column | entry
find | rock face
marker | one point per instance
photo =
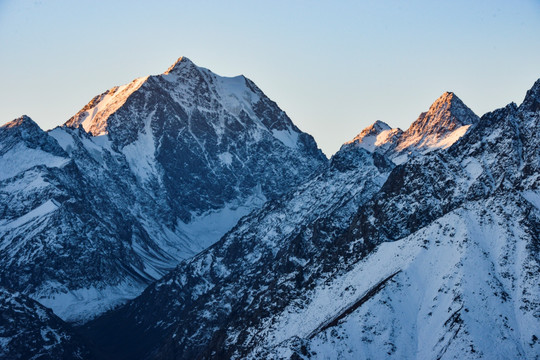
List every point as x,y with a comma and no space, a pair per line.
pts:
435,258
145,175
30,331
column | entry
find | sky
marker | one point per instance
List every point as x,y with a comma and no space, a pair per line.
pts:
334,66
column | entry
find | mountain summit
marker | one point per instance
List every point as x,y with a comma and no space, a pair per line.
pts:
379,137
447,119
182,62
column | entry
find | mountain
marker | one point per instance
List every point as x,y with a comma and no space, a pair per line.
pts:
437,257
30,331
144,176
447,119
194,134
378,137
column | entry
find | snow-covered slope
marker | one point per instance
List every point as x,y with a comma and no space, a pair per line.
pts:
440,261
30,331
448,291
171,163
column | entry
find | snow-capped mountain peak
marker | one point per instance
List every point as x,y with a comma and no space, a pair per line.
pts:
21,121
378,136
447,119
24,132
151,172
377,127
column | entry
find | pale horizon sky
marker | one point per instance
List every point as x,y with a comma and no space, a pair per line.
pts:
334,67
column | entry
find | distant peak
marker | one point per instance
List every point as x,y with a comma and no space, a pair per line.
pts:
532,99
377,135
449,104
24,121
374,129
446,115
447,97
380,125
182,63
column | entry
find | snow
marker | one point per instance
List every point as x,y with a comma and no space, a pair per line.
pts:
42,210
225,158
398,160
371,142
473,167
83,304
21,158
31,180
234,94
427,143
207,228
94,120
288,137
140,154
383,137
64,139
447,140
457,277
533,197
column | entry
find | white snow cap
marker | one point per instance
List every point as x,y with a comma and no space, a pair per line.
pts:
374,136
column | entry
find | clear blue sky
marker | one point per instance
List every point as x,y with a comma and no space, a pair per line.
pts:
333,66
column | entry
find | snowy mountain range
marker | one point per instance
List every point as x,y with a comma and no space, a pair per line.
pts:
248,243
367,260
